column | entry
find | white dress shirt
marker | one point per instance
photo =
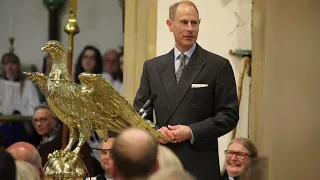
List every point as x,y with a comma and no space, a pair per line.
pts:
177,63
177,53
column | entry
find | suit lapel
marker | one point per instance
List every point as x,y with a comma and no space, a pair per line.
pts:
101,177
192,70
167,75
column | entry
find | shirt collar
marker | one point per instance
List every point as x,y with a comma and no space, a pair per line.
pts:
108,178
51,136
187,53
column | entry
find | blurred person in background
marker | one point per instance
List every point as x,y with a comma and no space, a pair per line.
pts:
7,166
18,96
26,171
24,151
90,61
110,61
105,158
16,92
134,155
113,66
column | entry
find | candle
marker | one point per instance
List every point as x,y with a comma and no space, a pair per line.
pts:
11,25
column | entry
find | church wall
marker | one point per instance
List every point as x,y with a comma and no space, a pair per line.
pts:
100,25
285,86
29,22
218,35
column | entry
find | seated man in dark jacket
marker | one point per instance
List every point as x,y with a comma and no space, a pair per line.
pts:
49,127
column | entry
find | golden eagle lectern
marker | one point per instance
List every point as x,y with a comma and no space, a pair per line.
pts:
95,106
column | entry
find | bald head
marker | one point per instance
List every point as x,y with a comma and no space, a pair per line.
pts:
134,142
135,153
25,152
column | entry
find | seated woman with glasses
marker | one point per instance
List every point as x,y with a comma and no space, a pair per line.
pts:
239,155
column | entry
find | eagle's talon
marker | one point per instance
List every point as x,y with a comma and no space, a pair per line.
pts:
71,157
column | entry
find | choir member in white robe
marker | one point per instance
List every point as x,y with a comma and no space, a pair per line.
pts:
17,94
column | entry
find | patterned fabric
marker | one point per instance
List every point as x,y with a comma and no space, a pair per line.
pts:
179,72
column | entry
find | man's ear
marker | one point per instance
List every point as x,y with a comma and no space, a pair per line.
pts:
113,169
55,121
170,24
41,173
156,167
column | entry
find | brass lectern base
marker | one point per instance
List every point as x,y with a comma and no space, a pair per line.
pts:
65,166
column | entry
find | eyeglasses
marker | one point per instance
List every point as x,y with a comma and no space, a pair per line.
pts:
239,155
101,149
41,120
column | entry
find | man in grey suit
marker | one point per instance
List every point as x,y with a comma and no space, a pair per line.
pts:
196,95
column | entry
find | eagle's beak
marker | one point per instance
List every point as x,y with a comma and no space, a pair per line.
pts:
46,48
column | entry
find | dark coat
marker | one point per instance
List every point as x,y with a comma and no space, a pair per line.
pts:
210,111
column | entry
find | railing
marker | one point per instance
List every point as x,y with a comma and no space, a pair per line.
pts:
15,118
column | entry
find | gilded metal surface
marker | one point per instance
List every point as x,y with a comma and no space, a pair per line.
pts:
72,27
95,107
64,167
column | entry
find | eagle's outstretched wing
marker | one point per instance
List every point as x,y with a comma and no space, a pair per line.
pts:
38,79
114,104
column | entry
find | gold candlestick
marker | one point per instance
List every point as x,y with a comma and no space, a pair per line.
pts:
71,29
11,42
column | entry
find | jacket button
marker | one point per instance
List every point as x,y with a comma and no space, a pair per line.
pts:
193,106
160,106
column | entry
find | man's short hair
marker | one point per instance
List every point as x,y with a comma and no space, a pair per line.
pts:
171,173
139,166
44,106
26,171
173,8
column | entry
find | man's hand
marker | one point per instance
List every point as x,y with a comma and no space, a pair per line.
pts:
167,133
180,132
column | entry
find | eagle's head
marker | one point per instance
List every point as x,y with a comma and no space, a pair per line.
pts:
53,47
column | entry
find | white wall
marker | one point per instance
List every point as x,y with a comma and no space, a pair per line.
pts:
217,21
286,46
100,23
29,28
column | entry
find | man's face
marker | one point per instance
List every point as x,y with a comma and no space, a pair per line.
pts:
105,156
185,26
110,62
43,121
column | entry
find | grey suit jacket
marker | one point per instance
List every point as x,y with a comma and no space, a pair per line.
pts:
210,111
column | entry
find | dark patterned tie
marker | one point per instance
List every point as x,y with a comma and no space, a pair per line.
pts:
182,58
